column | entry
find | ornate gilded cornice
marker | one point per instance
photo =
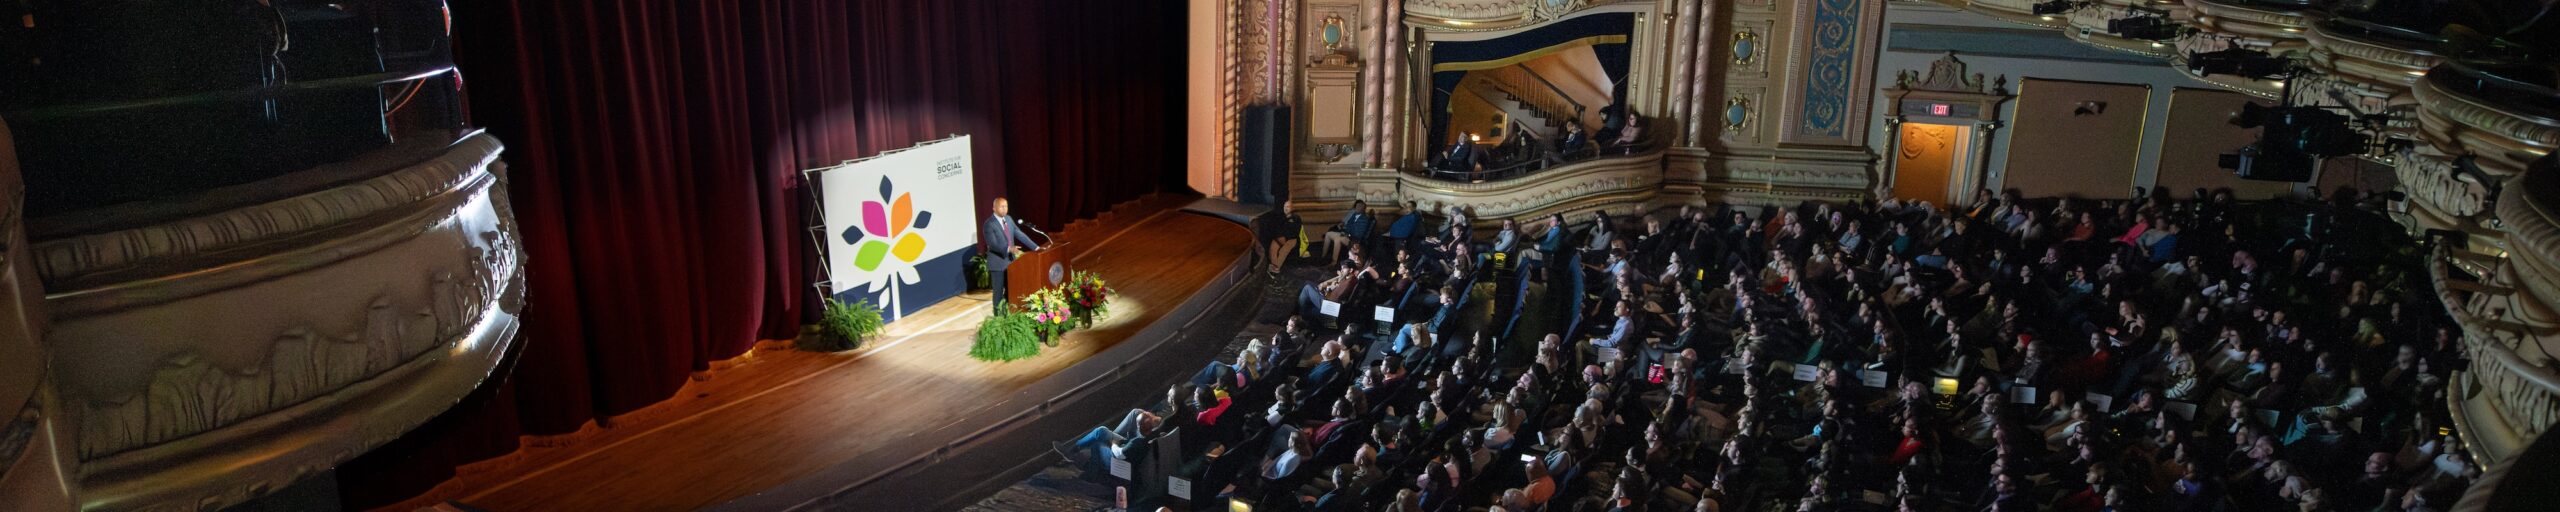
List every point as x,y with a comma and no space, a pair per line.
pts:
2249,18
1577,187
2089,25
2340,48
2013,11
71,263
1493,15
206,373
2503,137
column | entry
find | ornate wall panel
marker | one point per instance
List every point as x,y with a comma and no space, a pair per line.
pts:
1833,73
1740,117
1749,46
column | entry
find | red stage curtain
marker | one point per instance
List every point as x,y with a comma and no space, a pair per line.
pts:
655,146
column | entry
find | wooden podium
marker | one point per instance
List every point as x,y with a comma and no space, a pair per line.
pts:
1036,270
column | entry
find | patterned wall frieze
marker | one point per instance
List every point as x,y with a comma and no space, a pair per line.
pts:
65,262
1609,181
1774,172
1470,9
1494,15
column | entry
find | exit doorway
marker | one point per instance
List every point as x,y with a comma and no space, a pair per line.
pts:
1926,160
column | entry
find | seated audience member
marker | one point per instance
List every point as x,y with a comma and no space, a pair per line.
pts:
1462,157
1353,230
1280,233
1337,289
1574,143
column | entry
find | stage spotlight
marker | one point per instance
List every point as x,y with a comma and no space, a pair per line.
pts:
2239,61
2253,115
2292,142
2056,7
2263,163
2311,130
2145,28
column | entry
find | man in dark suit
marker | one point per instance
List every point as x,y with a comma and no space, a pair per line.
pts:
1004,241
1461,156
1574,141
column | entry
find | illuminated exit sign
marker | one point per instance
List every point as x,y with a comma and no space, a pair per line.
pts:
1938,109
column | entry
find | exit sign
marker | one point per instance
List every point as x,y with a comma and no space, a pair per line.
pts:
1938,109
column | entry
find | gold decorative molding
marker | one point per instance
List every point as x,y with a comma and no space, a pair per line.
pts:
2013,11
1580,186
2461,124
2433,182
70,263
1494,15
203,379
2089,25
2243,19
2393,68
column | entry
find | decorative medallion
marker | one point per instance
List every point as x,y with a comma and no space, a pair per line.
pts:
1552,9
1333,32
1737,111
1746,46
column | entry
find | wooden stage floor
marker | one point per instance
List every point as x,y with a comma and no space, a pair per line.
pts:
776,414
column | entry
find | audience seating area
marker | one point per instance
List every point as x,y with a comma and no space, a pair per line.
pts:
2014,354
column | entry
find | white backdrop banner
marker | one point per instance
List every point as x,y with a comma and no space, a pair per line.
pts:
901,226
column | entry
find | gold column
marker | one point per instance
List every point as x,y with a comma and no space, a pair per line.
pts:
1372,81
1394,110
1684,28
1703,106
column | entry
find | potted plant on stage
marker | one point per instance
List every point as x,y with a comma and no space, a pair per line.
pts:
842,326
1089,297
1006,336
978,272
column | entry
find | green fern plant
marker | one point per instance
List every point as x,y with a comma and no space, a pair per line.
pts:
978,272
844,326
1005,337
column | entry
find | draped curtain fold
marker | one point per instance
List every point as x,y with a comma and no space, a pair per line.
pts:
655,150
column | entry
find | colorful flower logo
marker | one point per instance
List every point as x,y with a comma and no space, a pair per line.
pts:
887,241
893,228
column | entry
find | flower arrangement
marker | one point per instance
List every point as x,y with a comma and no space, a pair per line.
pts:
1049,312
1088,296
1042,317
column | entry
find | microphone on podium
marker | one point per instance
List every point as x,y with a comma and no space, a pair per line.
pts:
1026,226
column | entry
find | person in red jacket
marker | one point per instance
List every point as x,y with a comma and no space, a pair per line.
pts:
1911,444
1209,415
